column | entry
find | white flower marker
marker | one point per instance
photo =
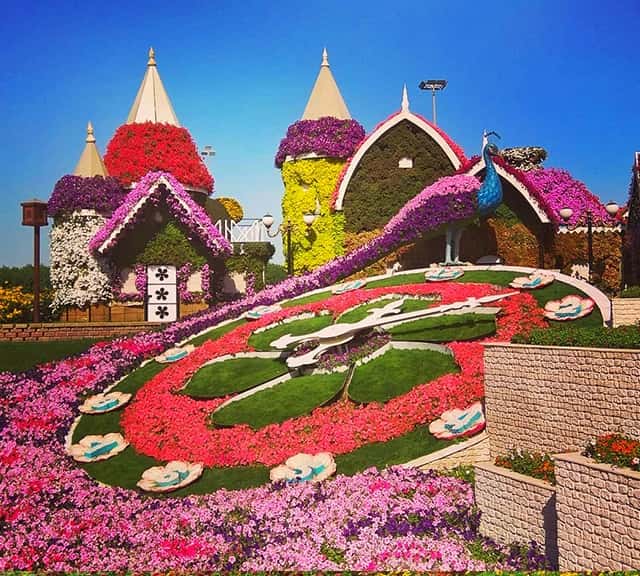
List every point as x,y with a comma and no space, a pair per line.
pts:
305,468
175,354
93,448
101,403
568,308
172,476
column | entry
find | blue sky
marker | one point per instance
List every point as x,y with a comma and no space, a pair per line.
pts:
559,74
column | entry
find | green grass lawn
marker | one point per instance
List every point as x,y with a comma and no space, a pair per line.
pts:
396,372
289,399
397,280
216,332
262,340
232,376
448,328
307,299
20,356
362,311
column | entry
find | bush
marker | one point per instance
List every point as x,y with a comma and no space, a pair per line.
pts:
536,464
592,337
631,292
23,276
615,449
274,273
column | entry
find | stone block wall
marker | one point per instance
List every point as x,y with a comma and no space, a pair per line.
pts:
598,515
554,399
466,453
64,331
626,311
517,508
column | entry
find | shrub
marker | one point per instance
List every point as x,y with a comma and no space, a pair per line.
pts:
536,464
631,292
23,276
615,449
593,337
15,304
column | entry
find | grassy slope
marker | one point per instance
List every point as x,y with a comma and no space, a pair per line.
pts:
20,356
396,372
262,340
232,376
361,312
459,327
289,399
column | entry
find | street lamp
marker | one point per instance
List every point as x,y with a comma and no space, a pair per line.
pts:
566,213
285,229
34,213
207,151
434,86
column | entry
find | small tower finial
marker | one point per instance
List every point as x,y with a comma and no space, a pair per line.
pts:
152,57
90,136
405,99
325,57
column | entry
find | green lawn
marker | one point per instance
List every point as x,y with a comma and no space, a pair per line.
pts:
307,299
497,277
232,376
448,328
217,332
397,280
362,311
289,399
262,340
396,372
20,356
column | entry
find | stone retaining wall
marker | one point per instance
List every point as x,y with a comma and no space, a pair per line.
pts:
598,515
65,331
626,311
517,508
554,399
471,451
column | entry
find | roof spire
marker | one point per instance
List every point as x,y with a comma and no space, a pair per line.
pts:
405,99
325,99
90,163
152,103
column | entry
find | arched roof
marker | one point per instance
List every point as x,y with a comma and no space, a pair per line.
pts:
453,152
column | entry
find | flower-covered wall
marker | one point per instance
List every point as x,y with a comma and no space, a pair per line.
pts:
308,182
380,185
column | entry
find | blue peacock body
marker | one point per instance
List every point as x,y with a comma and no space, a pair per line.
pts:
490,193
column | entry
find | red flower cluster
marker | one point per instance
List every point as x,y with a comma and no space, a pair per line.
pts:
137,149
615,449
170,426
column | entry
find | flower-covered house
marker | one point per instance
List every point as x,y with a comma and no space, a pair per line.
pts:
133,236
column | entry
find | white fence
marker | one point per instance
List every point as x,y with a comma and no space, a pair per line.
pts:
246,230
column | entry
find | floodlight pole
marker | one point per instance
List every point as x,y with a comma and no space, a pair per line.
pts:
434,86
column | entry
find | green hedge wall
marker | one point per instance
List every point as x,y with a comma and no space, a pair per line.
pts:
378,188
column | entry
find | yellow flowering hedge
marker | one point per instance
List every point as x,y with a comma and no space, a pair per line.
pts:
15,304
233,208
305,181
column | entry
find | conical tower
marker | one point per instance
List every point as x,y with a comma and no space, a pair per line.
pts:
311,158
90,163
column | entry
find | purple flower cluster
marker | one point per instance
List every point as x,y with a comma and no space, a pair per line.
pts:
180,204
73,193
326,136
360,347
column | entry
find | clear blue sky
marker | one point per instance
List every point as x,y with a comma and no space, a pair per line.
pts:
559,74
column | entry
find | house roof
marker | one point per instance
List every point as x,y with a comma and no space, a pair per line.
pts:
90,163
325,99
178,202
152,102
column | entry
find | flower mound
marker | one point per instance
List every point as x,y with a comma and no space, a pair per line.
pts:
72,193
136,149
325,137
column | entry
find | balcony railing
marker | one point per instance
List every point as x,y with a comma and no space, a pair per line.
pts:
246,230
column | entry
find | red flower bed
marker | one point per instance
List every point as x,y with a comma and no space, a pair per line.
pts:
137,149
169,426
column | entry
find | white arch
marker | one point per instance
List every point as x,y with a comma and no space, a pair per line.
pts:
519,186
404,114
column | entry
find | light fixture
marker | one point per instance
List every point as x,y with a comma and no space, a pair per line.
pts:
207,151
434,86
267,221
612,208
566,213
308,218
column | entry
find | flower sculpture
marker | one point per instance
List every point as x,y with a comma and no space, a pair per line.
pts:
94,447
533,281
175,354
442,274
172,476
305,468
260,311
570,307
101,403
348,286
454,423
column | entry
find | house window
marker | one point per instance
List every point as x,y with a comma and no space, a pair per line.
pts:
405,162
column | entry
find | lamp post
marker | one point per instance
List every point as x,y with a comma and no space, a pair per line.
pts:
34,213
285,229
434,86
566,213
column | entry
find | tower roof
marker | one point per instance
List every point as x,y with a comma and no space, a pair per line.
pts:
325,99
90,163
152,103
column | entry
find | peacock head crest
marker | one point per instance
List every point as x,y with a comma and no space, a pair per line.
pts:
487,146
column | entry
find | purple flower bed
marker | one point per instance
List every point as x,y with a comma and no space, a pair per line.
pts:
54,517
326,137
73,193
